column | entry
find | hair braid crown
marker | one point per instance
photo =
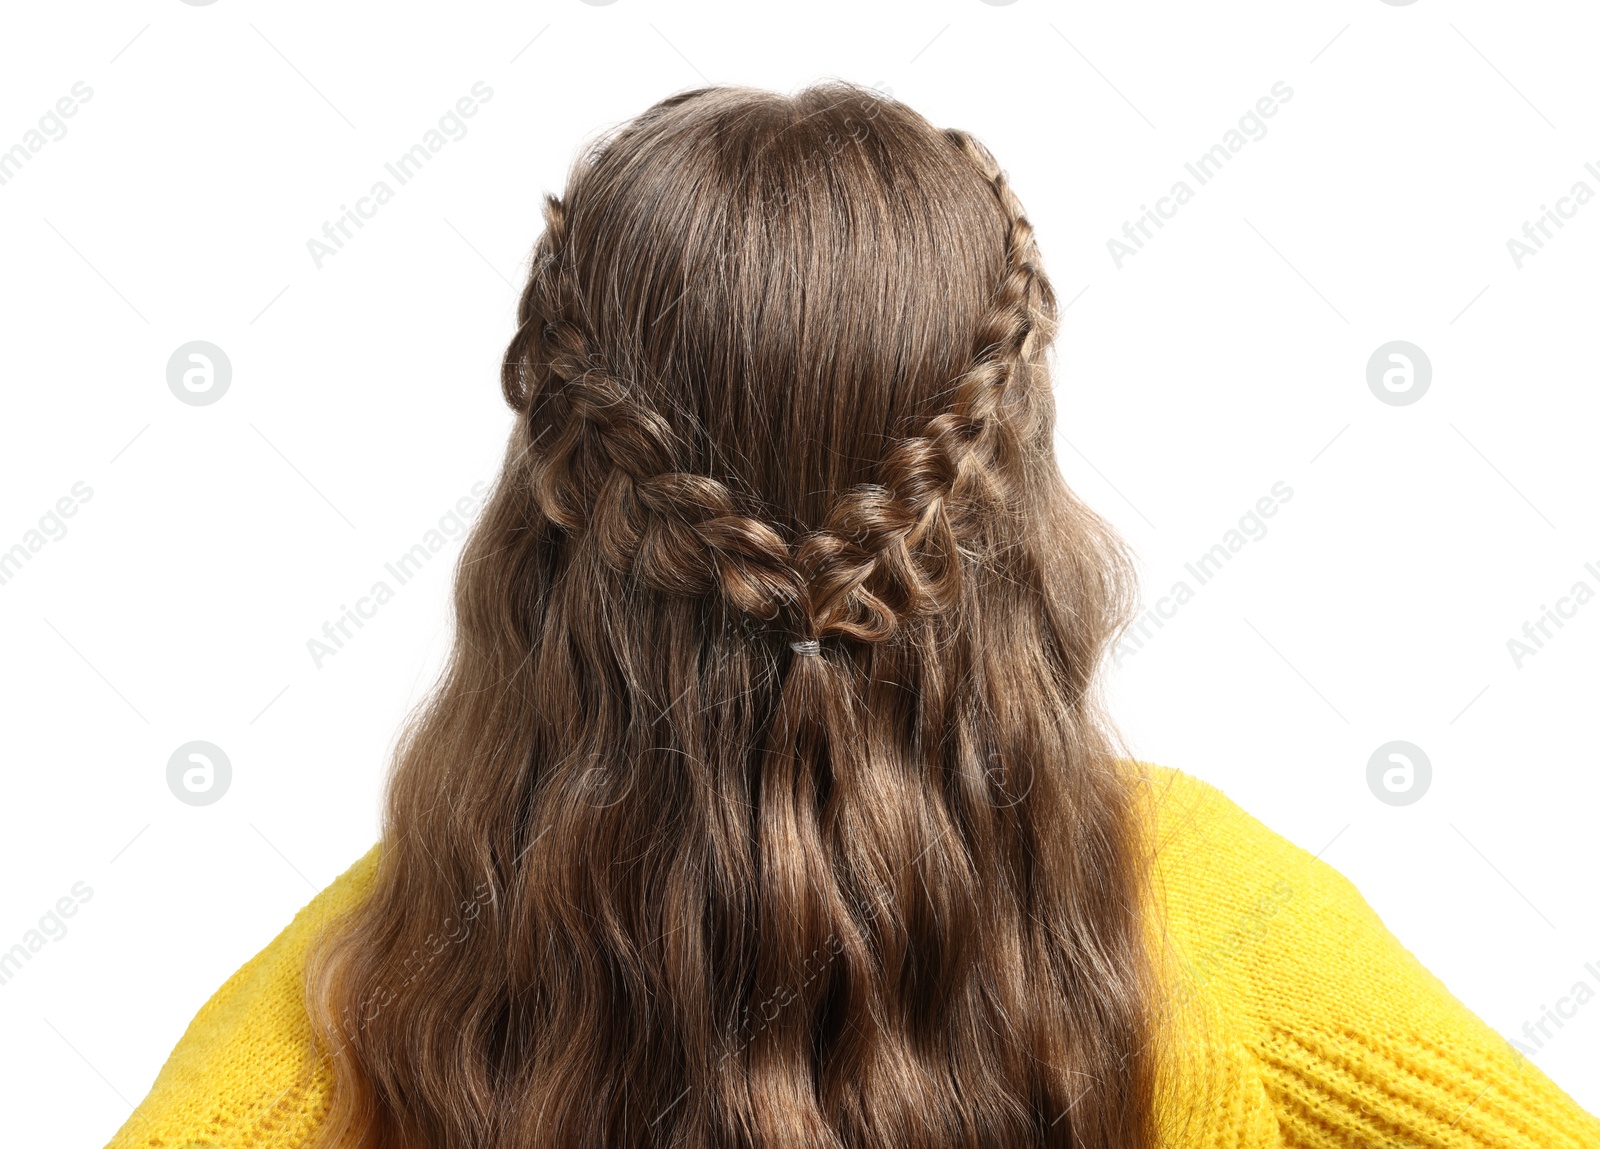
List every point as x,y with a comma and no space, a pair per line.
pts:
884,552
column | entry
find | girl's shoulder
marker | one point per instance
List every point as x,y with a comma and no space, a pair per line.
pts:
242,1076
1353,1038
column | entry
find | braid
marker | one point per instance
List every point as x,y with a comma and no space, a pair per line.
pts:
608,463
1022,318
604,462
890,551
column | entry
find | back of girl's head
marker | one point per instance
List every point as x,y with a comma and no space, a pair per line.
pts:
770,729
820,304
788,281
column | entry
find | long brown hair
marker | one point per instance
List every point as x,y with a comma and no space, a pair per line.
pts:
767,787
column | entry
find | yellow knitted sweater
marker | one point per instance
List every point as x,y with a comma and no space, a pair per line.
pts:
1295,1018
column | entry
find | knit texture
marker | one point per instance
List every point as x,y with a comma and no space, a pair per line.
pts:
1294,1018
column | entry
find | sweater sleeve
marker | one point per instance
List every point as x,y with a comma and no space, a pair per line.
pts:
242,1076
1357,1043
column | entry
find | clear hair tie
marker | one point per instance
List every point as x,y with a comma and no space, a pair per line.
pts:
806,646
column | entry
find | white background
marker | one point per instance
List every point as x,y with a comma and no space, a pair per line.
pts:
1228,355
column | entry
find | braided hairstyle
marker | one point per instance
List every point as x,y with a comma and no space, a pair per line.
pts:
771,723
885,551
